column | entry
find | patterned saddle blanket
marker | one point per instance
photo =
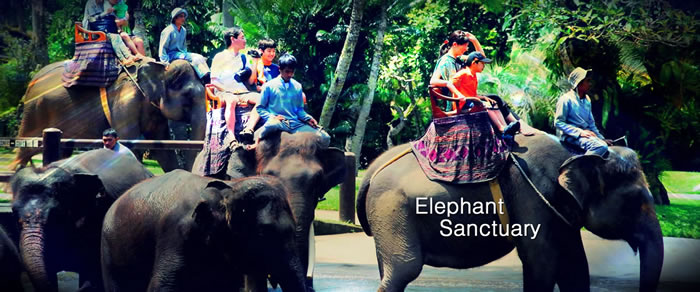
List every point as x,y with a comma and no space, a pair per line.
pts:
461,149
94,64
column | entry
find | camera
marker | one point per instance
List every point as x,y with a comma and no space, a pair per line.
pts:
254,54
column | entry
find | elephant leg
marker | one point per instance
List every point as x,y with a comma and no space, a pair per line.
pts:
539,258
167,270
576,276
166,158
398,244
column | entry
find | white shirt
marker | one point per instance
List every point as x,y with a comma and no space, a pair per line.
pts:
119,148
223,69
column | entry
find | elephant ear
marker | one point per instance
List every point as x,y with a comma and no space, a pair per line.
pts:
91,194
206,212
580,176
334,169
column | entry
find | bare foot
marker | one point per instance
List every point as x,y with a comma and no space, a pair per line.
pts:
138,56
250,147
526,130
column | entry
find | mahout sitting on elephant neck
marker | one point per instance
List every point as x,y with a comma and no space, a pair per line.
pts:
177,94
609,197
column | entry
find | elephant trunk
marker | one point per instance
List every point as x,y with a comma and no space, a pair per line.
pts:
290,273
303,212
32,249
651,251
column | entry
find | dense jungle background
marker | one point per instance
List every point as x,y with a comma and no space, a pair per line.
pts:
366,64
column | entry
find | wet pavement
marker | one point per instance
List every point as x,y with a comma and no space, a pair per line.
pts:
346,262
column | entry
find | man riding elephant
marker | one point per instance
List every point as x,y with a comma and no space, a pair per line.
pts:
173,45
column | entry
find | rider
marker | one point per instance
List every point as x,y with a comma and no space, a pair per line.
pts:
282,107
173,45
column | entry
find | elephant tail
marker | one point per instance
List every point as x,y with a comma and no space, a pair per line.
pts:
361,204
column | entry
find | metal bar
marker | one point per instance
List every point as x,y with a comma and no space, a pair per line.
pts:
97,143
5,176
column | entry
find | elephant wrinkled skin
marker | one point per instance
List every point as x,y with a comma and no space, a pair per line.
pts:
172,94
183,232
60,209
610,197
306,169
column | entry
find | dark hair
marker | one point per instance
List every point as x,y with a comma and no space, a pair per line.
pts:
288,61
231,32
266,44
110,132
458,36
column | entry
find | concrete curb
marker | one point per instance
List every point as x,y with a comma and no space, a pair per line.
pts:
328,227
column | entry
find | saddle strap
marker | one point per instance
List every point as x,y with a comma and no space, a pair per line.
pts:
498,196
402,154
105,105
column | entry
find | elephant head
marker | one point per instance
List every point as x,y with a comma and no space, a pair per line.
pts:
51,204
306,169
614,202
250,221
185,100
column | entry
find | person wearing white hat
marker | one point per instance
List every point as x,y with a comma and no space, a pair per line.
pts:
574,119
173,46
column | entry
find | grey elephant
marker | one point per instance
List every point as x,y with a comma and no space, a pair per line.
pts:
306,169
60,209
610,197
174,94
183,232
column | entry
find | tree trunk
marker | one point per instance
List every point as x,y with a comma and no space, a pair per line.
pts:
341,70
226,13
41,53
356,146
140,29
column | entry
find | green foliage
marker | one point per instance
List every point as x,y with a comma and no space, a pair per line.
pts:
680,219
60,29
15,70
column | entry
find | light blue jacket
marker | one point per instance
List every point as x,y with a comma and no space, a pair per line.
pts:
574,115
276,99
172,42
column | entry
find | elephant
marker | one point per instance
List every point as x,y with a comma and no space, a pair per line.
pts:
176,94
10,264
60,209
307,169
184,232
608,196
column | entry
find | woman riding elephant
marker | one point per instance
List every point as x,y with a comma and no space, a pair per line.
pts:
60,209
548,187
136,110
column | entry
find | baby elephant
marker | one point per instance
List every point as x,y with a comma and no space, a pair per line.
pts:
183,232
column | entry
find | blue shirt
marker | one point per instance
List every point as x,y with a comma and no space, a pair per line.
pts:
271,72
285,99
574,115
172,42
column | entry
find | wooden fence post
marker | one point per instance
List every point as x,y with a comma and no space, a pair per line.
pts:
347,191
51,145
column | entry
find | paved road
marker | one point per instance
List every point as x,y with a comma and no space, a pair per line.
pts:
346,262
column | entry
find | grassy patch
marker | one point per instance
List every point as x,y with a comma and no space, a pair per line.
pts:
680,219
153,166
681,182
332,200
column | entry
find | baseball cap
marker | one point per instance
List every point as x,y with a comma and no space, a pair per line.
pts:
477,56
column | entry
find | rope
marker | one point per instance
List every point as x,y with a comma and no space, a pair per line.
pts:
408,150
137,86
512,156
